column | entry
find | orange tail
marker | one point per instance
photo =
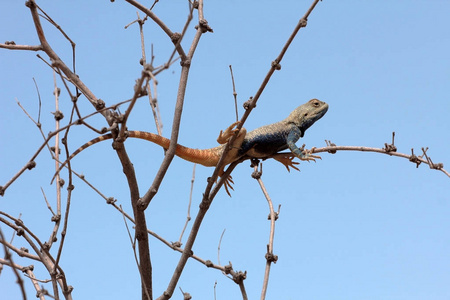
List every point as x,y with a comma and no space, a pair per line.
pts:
206,157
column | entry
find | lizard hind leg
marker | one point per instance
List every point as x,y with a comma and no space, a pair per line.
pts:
228,183
235,147
287,160
233,153
224,136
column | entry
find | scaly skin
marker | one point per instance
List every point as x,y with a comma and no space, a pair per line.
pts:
206,157
263,142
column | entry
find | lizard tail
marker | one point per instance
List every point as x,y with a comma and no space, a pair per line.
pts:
205,157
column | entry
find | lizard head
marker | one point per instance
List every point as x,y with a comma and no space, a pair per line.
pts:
305,115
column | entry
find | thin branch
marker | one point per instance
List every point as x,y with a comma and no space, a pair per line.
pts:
270,257
145,200
141,223
413,158
31,164
9,258
234,93
138,91
56,61
56,218
170,34
12,46
188,217
133,246
218,246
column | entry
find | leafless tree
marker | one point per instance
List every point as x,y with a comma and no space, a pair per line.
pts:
47,251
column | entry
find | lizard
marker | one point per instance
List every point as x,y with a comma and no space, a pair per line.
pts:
261,143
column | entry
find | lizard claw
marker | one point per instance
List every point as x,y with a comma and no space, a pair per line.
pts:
287,160
307,155
228,184
224,136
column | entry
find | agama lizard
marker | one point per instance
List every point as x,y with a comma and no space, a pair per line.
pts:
263,142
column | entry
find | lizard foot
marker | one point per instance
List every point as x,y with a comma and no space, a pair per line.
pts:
227,134
228,184
287,160
307,155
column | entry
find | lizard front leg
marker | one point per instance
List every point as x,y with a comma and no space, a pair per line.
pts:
293,136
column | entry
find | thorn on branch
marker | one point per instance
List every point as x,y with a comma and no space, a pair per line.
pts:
100,104
209,264
254,164
185,62
139,89
29,4
28,268
330,144
53,149
56,218
58,115
176,245
175,38
276,215
413,158
276,65
256,175
239,277
204,27
149,67
111,200
186,296
10,43
58,92
270,257
303,22
228,268
391,147
249,104
31,165
432,165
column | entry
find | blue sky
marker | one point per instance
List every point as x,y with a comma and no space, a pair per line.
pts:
352,226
